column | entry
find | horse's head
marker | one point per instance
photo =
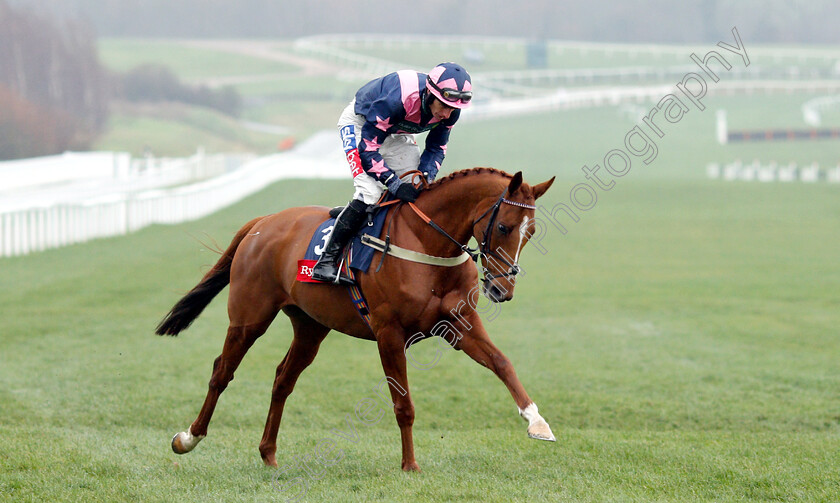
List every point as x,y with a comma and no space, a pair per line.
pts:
503,226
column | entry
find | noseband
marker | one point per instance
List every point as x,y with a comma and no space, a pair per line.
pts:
485,249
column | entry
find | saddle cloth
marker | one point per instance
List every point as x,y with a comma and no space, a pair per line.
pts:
358,255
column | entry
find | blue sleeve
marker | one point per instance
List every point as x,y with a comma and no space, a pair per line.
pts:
435,150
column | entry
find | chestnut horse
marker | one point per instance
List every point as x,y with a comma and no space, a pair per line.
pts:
406,297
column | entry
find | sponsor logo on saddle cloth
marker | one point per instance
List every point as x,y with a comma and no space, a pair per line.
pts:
358,254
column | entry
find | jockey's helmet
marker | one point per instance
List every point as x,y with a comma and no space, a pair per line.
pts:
451,84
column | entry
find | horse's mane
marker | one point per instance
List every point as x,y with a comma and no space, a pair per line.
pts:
469,172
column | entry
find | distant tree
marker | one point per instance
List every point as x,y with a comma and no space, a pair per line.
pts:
151,82
29,130
50,70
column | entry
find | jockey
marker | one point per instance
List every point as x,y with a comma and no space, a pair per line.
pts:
378,130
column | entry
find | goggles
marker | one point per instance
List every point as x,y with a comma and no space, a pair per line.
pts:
451,95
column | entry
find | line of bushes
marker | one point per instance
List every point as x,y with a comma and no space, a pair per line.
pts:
158,83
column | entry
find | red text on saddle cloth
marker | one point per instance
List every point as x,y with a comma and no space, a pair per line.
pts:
305,271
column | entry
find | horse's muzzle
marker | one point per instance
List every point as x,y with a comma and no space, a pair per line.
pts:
496,294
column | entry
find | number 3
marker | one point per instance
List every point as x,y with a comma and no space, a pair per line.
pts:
327,232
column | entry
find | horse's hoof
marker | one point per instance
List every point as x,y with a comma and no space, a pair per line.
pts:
541,431
184,442
270,460
411,467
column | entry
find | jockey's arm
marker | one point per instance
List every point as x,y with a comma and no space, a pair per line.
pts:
435,151
372,161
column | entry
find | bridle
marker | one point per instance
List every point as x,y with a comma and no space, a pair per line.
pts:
484,250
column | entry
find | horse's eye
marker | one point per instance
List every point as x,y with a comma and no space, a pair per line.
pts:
504,230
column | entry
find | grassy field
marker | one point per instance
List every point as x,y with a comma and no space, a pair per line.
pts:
681,339
189,63
682,342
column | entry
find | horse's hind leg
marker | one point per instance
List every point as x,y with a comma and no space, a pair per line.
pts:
308,335
239,340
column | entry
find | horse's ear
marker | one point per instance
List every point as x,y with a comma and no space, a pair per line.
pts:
540,188
515,182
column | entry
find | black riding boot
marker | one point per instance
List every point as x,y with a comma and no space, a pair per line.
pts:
346,226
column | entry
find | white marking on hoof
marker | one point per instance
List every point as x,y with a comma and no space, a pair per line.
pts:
184,442
537,426
541,431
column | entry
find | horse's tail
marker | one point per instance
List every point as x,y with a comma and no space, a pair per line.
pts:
193,303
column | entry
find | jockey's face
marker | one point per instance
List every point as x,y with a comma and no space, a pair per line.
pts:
439,110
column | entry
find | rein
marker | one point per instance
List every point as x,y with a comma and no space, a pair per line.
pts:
472,252
484,251
387,248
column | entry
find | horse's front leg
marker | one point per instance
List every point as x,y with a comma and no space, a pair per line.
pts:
391,342
476,343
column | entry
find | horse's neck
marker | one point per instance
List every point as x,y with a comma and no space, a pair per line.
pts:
453,206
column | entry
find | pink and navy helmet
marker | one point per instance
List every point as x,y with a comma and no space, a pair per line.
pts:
451,84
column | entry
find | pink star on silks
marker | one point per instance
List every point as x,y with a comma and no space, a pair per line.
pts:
371,144
378,167
383,124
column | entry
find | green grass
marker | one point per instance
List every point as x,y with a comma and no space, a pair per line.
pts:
174,130
188,63
681,339
303,87
560,144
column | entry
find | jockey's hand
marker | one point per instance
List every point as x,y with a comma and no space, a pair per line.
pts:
407,192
